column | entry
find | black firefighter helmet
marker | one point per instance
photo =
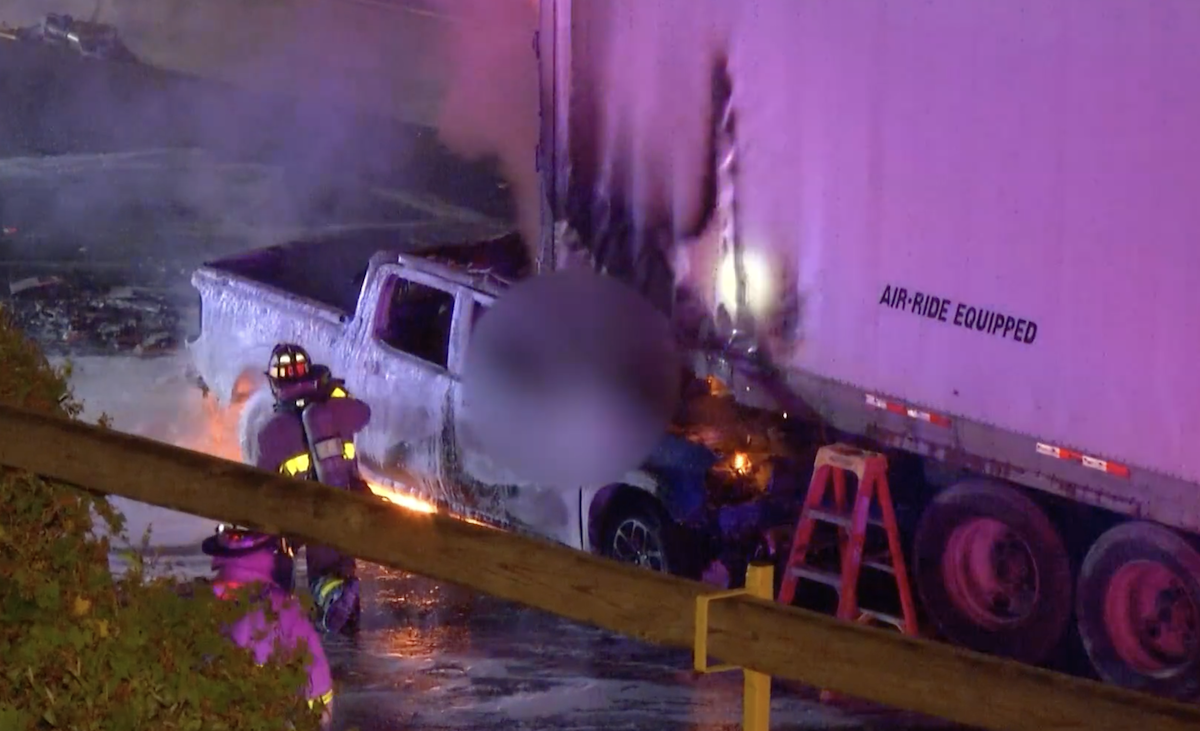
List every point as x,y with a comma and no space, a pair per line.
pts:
290,364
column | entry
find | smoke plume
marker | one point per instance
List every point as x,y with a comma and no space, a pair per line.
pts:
309,127
491,103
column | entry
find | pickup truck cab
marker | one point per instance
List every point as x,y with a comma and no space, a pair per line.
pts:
397,331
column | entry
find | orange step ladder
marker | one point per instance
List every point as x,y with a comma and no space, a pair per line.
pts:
830,468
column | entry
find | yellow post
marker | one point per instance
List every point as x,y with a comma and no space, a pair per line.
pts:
756,696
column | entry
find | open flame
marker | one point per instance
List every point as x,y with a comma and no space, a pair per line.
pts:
410,503
414,504
215,435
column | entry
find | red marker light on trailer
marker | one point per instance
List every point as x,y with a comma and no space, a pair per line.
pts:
896,407
1115,469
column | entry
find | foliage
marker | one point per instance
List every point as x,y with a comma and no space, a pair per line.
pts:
81,649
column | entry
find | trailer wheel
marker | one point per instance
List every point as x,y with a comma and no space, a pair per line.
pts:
992,572
1139,610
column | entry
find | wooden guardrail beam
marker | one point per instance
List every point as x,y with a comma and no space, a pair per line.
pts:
872,664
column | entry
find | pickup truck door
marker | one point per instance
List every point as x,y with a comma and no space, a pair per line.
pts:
404,374
552,512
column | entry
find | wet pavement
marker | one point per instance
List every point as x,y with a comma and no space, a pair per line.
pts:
113,209
433,657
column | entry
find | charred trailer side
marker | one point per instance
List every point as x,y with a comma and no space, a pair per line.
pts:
981,217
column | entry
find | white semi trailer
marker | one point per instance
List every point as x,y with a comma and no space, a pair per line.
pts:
967,231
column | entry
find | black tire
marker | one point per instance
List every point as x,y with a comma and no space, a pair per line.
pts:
1024,620
632,512
1104,627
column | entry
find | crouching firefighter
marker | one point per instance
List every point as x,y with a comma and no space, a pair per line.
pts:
311,437
243,558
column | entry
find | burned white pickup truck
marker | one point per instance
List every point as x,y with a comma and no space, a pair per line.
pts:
394,319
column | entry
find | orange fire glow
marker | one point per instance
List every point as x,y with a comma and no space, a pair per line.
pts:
410,503
415,504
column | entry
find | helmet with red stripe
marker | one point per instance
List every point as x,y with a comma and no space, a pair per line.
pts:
289,364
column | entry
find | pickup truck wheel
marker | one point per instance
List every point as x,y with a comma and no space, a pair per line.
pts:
638,532
992,572
1139,610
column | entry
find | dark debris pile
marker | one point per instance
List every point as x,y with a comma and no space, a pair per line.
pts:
86,38
79,313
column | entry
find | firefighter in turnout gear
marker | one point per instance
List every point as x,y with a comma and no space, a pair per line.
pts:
275,619
311,437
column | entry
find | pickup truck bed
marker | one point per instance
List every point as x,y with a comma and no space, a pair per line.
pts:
329,269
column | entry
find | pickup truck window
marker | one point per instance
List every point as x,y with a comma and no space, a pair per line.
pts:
416,319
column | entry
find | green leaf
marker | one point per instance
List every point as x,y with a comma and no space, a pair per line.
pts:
48,595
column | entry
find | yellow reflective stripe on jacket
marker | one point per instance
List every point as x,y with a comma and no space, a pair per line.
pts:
298,465
302,463
325,588
324,700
